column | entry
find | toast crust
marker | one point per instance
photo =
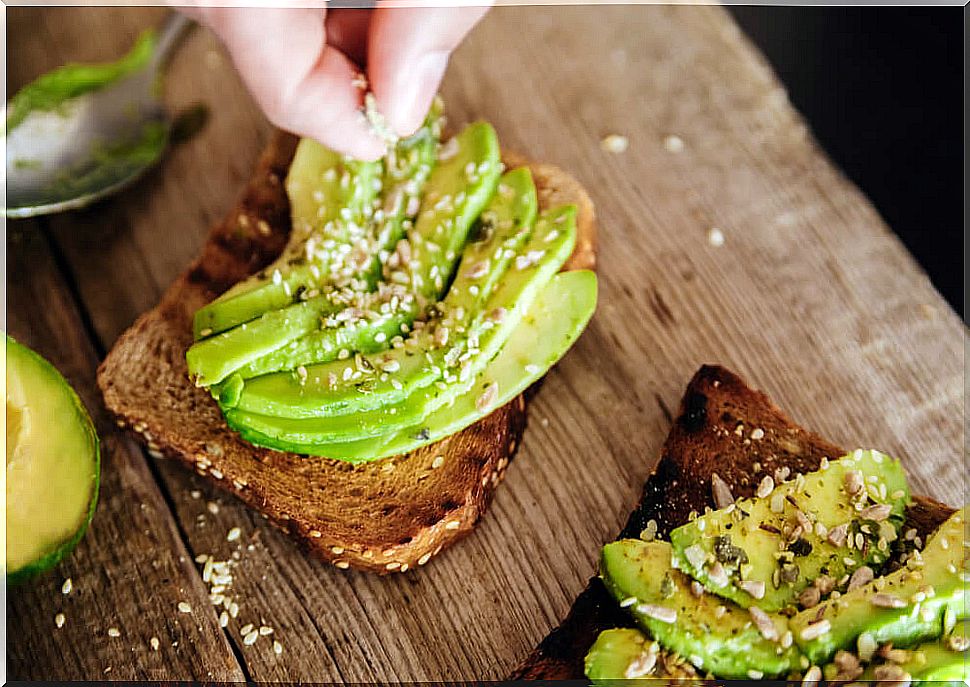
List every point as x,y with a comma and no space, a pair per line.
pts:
387,516
714,432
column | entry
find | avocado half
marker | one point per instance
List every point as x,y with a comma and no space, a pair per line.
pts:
53,465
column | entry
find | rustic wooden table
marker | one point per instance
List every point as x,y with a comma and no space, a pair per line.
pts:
810,296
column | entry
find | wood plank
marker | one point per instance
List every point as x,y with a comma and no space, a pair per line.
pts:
810,297
131,570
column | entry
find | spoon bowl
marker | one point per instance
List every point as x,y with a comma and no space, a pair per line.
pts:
94,144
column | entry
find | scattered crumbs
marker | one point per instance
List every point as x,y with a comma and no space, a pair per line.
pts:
59,620
715,237
614,143
114,632
673,144
67,586
234,534
184,607
154,643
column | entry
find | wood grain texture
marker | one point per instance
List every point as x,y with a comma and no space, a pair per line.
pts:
811,298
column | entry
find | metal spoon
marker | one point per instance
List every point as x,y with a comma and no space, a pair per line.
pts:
68,158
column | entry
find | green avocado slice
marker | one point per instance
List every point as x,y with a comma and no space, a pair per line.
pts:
766,551
553,323
53,465
619,655
330,199
371,382
943,660
714,635
366,320
503,227
907,606
512,298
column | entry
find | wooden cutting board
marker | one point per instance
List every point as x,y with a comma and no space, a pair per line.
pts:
809,296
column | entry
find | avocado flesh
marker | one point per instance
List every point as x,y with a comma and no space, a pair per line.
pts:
372,313
553,323
944,568
937,661
317,193
348,386
618,655
53,465
505,225
722,642
516,293
749,535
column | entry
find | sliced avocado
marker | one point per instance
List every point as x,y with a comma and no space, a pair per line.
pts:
371,382
945,659
360,321
619,655
904,607
513,298
329,195
503,228
765,551
716,636
53,465
550,327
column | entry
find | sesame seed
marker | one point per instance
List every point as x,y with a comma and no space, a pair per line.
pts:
393,565
246,629
223,619
184,607
251,638
452,524
265,630
816,629
614,143
67,586
673,144
277,648
337,550
212,507
757,434
59,620
343,565
195,494
114,632
154,643
715,237
234,534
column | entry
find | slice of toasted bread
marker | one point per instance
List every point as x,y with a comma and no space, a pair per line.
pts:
386,516
723,427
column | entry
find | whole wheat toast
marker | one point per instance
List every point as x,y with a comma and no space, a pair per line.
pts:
711,434
386,516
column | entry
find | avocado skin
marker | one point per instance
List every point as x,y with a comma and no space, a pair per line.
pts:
854,613
725,644
740,532
55,556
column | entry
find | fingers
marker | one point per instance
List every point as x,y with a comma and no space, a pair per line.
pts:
407,53
303,85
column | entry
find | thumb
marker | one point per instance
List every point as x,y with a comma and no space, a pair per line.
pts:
408,51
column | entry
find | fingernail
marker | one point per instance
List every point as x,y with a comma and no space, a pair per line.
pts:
407,104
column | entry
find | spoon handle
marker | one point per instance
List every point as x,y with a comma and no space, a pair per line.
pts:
172,30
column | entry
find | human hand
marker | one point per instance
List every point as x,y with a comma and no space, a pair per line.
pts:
304,66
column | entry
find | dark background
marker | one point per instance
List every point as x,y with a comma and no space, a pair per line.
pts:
882,89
